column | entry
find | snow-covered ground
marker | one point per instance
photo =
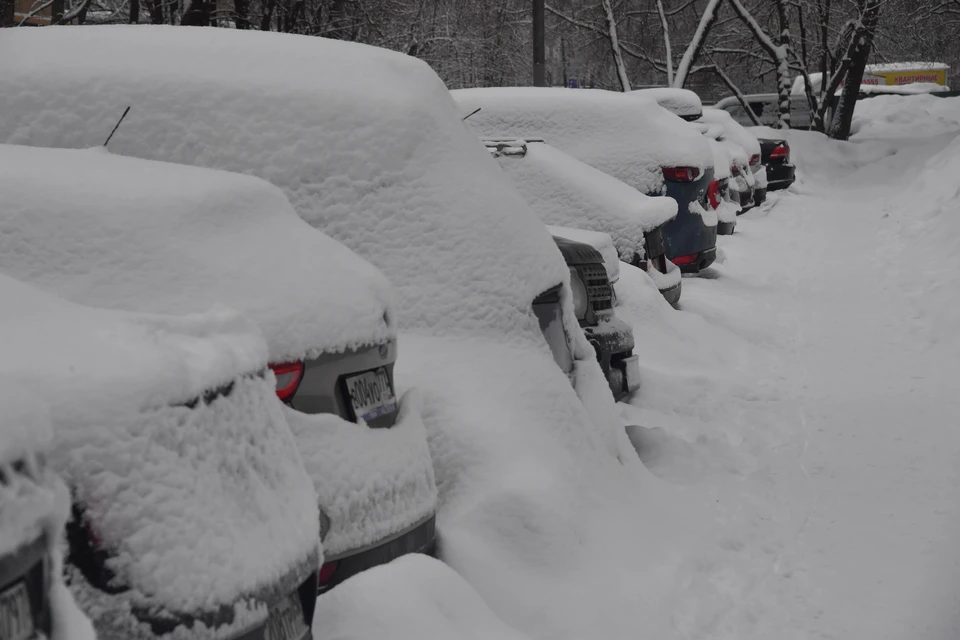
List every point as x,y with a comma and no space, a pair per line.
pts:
809,386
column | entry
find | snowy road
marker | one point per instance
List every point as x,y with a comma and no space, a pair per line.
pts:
836,448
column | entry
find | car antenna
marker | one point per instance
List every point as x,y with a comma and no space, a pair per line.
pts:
116,126
470,114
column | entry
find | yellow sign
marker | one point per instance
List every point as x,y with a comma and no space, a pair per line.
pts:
900,73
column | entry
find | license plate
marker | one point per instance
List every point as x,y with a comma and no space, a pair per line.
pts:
286,620
16,620
632,371
371,394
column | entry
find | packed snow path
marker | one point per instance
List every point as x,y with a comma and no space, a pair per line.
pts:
843,471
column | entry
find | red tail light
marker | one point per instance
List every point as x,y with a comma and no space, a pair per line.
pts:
288,378
681,174
326,572
755,160
681,260
713,194
780,153
735,169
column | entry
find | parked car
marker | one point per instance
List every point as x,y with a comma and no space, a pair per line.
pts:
564,191
766,108
631,138
192,512
402,182
775,156
717,125
593,301
747,154
683,103
725,198
34,505
158,237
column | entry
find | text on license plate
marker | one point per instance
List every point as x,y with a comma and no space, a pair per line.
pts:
371,394
16,621
286,620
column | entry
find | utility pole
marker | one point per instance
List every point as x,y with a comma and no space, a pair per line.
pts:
539,46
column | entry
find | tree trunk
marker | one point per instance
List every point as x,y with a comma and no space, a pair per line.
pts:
134,11
667,50
615,46
862,46
779,53
707,19
241,8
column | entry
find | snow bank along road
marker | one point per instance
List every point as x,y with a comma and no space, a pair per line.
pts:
819,404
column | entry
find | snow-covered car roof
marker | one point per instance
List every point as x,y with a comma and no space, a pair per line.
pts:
159,237
366,143
681,102
630,138
201,504
567,192
733,131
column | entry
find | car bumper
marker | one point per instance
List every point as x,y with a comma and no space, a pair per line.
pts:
726,228
672,294
703,260
780,176
419,538
613,341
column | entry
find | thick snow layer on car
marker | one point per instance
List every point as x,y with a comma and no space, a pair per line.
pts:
159,237
727,211
760,175
567,192
721,159
366,143
200,502
733,131
602,242
372,482
682,102
412,597
630,138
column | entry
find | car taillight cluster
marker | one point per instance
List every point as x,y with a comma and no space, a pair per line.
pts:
683,260
780,152
735,169
755,160
681,174
713,194
288,376
325,575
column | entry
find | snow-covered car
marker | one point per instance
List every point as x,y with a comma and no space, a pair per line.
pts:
780,173
747,156
736,183
765,107
34,505
566,192
127,233
193,515
352,162
724,194
534,474
593,304
629,137
683,103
